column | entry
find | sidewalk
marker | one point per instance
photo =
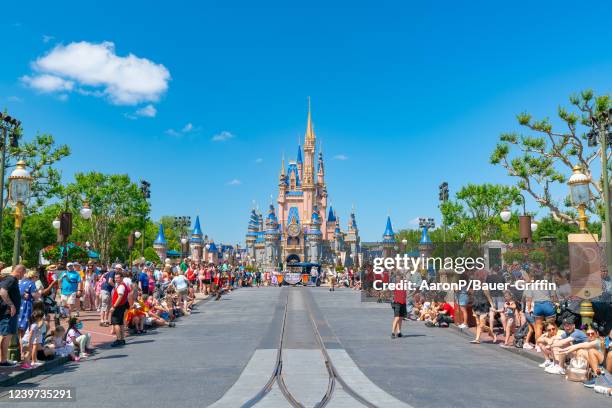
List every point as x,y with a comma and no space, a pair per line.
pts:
101,338
470,333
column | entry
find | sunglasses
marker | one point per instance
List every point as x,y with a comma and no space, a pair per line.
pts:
590,333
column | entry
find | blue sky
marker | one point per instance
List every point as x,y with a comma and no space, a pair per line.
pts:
410,94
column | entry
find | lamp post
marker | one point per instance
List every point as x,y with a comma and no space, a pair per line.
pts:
63,224
525,222
20,185
7,123
580,195
145,189
183,245
180,224
404,245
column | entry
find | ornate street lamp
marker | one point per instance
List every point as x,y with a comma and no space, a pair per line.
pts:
56,223
505,214
86,211
580,194
534,226
20,185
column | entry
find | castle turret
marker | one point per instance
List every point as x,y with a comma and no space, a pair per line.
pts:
353,240
196,241
314,237
160,245
272,238
251,236
300,162
388,239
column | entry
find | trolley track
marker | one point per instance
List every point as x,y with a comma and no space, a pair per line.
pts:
277,376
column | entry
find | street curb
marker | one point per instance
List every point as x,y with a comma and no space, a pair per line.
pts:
33,372
20,376
521,352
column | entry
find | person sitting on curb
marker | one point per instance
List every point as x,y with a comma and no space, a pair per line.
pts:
75,338
569,337
545,342
592,350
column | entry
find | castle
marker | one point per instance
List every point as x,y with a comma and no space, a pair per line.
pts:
300,234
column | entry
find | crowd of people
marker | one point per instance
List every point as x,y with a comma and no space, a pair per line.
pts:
41,309
540,320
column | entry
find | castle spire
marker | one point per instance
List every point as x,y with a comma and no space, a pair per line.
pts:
283,165
310,136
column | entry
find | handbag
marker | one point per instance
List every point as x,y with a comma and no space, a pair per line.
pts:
577,370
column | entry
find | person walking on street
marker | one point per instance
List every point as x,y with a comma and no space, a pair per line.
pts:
119,305
399,311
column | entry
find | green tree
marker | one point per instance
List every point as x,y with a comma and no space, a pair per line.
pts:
545,157
474,214
117,207
41,154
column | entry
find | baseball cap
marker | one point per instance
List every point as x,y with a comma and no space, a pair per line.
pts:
69,264
569,320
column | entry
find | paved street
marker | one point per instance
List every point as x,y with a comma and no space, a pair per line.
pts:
226,350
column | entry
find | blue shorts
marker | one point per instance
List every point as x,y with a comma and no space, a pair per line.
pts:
544,309
8,325
462,299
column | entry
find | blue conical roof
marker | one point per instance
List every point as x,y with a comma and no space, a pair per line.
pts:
389,235
161,237
331,216
299,154
197,230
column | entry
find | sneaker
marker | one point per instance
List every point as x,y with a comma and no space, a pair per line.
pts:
538,349
117,343
7,364
462,326
555,369
590,383
528,346
600,389
399,335
393,335
26,366
545,364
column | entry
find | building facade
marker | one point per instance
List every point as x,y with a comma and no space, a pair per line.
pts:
303,228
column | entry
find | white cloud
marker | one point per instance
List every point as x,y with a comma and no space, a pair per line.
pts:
148,111
414,221
188,128
172,132
223,136
48,83
234,182
259,160
47,38
98,70
340,157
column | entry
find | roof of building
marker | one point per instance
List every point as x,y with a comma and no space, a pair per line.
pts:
331,215
196,234
389,235
161,237
299,154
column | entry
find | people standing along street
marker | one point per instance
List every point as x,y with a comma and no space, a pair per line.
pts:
71,288
89,289
29,294
482,304
108,284
9,306
119,305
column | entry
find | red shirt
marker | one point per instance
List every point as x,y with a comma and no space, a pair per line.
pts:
123,297
399,296
450,311
191,275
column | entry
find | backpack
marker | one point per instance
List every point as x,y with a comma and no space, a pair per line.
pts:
519,336
577,370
